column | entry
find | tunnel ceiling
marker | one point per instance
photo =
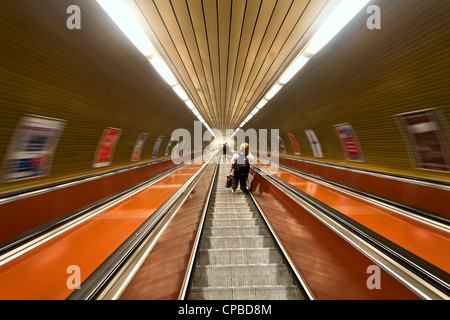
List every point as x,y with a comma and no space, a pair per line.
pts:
227,54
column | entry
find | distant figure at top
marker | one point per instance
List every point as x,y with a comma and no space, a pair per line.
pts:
226,150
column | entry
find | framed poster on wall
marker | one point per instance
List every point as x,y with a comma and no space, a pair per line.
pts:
166,152
32,147
138,146
294,144
283,147
315,144
349,142
106,147
426,139
156,147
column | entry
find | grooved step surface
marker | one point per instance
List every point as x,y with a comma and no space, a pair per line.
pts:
242,275
227,256
243,231
237,256
247,293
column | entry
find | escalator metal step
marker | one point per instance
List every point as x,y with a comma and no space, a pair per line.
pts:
227,210
245,256
237,242
242,275
244,293
242,231
233,215
249,222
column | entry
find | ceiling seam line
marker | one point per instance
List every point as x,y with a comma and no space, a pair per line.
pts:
230,111
272,44
210,61
246,56
212,114
292,50
228,63
257,53
189,53
162,46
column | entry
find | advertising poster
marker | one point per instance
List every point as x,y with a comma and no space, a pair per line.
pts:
349,142
294,144
138,146
106,146
166,152
426,139
283,147
156,147
31,148
315,144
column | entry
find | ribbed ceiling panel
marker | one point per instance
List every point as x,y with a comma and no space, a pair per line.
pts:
228,53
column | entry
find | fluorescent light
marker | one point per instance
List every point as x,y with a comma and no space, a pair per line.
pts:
163,70
190,104
255,111
261,104
343,14
273,91
248,117
293,69
180,92
124,19
195,111
201,119
212,133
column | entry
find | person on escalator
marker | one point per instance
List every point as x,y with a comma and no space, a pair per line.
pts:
240,167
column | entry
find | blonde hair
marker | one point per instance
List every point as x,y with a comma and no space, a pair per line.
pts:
244,148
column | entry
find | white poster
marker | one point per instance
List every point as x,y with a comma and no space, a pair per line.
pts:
32,146
138,146
166,153
156,147
315,144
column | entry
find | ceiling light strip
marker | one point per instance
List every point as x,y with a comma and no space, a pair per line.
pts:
123,17
340,17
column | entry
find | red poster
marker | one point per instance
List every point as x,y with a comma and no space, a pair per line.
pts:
105,149
294,144
349,142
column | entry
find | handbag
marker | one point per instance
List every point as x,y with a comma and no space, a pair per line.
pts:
229,180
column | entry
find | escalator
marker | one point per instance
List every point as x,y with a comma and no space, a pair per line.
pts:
237,257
